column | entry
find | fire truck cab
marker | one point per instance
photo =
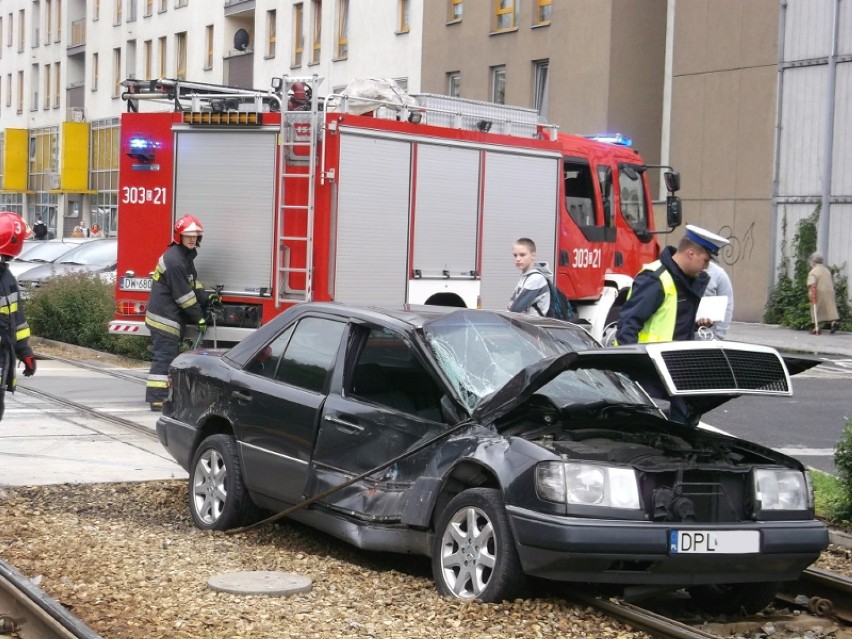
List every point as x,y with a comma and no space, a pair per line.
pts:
371,197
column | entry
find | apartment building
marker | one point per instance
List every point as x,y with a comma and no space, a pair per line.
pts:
62,63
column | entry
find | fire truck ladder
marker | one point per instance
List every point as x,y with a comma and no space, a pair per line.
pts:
300,130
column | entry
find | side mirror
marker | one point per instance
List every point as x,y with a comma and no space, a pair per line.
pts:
672,180
674,212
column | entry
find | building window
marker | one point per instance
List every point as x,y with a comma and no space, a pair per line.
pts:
95,71
116,17
270,33
58,20
116,72
149,8
180,55
316,30
455,10
404,16
298,33
48,83
20,100
498,84
543,12
208,37
181,3
105,157
342,30
148,54
163,6
57,78
542,87
48,21
96,9
9,90
131,10
1,35
21,31
161,46
454,84
505,15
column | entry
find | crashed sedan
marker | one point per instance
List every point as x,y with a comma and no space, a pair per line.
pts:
499,448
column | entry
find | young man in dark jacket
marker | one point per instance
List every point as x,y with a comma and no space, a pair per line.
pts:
177,299
14,330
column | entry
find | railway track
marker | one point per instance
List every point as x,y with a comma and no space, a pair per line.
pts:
27,612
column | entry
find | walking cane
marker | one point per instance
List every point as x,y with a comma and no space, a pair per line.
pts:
816,322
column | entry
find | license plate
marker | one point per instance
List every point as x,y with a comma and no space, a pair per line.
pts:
136,283
723,542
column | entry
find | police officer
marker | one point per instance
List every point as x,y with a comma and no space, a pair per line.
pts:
663,302
177,299
14,330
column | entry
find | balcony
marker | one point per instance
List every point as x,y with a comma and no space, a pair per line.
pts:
77,44
239,7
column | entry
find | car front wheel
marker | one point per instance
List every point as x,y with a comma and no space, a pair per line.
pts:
474,554
218,499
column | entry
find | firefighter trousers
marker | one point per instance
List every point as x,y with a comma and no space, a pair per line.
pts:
165,348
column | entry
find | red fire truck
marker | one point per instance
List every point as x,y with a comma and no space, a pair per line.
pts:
377,198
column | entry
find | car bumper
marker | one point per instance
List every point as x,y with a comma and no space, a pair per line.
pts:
631,552
177,438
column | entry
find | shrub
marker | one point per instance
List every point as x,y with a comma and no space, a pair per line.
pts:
843,463
76,309
788,302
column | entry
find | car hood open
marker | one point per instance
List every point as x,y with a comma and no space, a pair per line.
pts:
703,374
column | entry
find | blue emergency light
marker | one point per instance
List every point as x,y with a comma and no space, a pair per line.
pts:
612,138
141,149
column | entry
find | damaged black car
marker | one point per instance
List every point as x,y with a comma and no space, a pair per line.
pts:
499,446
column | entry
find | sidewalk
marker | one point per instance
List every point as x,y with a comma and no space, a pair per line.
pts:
787,339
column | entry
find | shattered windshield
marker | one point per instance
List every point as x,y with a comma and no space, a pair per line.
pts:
480,352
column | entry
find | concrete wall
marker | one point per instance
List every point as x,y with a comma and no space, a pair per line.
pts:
723,105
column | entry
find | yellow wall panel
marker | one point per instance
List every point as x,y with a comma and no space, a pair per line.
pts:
74,165
15,156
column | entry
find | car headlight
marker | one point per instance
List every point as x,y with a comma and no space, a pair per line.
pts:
780,489
587,484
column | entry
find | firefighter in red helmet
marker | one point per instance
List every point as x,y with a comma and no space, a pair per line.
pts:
299,97
14,330
177,299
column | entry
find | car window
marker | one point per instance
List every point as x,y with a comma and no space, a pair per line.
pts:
389,373
94,252
310,354
46,252
267,359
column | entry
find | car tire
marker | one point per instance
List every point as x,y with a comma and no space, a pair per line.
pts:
474,554
734,599
218,499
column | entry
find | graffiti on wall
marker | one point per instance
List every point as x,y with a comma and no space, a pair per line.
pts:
739,248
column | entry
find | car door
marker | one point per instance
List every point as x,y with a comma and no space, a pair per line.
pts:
276,402
387,403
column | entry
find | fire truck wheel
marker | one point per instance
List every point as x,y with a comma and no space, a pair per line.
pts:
218,499
734,599
474,556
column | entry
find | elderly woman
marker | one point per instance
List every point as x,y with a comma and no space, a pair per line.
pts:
821,293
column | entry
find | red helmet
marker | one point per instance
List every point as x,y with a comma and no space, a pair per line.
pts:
13,232
188,225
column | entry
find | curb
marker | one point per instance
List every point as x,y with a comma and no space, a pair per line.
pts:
63,349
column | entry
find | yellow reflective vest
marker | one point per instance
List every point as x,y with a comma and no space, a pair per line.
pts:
660,327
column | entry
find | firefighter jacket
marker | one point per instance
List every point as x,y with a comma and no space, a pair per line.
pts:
177,298
14,330
662,304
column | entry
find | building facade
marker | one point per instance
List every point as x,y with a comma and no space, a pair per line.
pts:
62,64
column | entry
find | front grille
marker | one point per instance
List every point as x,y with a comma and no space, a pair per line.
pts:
725,369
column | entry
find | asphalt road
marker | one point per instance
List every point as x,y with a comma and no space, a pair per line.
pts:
806,426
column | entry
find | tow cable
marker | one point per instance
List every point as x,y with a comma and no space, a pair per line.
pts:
466,423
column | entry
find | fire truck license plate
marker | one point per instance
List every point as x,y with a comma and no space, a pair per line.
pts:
136,283
727,542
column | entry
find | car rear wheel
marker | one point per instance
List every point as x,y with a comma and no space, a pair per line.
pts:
218,499
474,554
734,599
